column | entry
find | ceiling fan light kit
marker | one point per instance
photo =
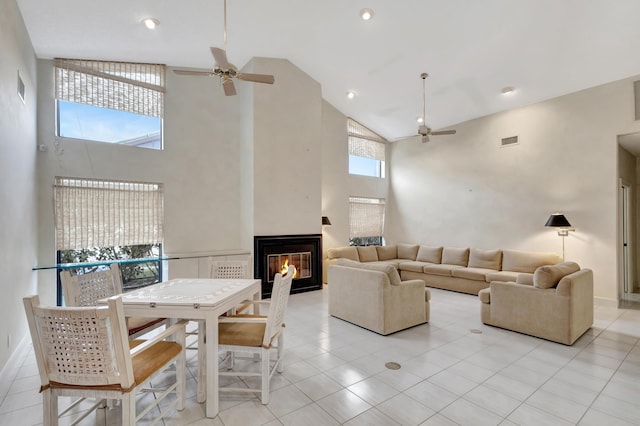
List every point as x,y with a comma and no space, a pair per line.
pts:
225,70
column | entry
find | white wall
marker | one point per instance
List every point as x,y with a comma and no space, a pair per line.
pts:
464,190
18,226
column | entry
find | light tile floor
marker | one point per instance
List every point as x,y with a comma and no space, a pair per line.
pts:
335,374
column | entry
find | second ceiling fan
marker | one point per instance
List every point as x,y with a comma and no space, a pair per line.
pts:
423,130
225,70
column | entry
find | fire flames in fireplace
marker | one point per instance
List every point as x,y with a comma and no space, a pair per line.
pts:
280,263
285,268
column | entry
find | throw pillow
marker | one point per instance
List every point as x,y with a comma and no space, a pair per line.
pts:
486,259
407,251
455,256
387,252
548,276
367,253
429,254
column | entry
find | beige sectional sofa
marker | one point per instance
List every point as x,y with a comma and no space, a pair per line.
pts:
555,304
466,270
372,296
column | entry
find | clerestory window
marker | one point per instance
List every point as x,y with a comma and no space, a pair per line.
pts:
366,150
115,102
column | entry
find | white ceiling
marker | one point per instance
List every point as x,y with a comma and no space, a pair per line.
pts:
470,48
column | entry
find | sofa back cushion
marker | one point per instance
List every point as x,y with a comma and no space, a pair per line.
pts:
367,253
343,253
526,261
486,259
387,252
455,256
407,251
429,254
392,273
550,275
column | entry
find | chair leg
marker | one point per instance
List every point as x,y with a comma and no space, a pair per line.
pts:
101,413
280,350
265,376
128,404
181,367
49,408
202,362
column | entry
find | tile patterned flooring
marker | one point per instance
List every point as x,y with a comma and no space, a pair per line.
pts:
335,375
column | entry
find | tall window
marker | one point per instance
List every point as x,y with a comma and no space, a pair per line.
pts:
366,221
114,102
98,221
366,150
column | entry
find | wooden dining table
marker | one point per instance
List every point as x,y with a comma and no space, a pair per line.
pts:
195,299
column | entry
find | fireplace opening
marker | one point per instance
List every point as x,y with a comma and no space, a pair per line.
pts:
275,253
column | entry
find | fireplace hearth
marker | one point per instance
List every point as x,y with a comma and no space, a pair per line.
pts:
274,253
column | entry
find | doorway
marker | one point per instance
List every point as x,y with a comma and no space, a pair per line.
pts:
628,210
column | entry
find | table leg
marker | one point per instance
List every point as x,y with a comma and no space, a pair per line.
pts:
202,359
211,332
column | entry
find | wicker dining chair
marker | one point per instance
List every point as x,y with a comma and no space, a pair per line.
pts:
87,289
84,352
257,335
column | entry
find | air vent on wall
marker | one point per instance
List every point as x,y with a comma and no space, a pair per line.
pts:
513,140
636,95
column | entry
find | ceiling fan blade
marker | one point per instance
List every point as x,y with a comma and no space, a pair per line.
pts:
256,78
220,57
444,132
187,72
229,87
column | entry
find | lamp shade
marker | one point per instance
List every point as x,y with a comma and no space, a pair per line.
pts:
325,220
557,220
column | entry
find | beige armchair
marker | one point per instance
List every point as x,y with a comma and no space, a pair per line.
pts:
556,305
372,296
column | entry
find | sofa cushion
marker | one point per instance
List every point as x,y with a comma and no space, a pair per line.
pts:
343,253
367,253
429,254
455,256
387,252
486,259
502,276
407,251
549,276
413,266
392,273
442,269
526,261
475,274
525,279
485,295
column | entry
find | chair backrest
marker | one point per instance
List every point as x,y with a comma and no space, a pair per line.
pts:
86,289
230,268
278,305
83,346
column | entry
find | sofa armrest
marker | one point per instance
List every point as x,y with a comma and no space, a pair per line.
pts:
525,279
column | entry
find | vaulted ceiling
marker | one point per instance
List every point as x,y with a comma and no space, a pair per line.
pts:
471,49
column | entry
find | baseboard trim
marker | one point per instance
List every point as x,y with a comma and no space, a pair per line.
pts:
605,302
11,368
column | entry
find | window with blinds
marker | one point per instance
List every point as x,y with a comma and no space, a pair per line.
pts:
366,150
106,213
366,220
116,102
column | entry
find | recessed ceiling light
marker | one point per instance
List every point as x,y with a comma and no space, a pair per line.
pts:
508,90
150,23
420,120
351,94
366,14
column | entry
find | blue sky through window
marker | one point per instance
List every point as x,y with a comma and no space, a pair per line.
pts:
87,122
364,166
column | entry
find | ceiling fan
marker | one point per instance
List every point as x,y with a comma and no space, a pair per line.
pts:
225,70
423,130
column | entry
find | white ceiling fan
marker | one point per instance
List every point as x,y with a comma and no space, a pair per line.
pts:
225,70
423,130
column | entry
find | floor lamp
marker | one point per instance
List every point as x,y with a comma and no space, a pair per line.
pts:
557,220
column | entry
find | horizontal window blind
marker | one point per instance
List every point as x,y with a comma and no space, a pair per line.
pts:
366,217
123,86
105,213
364,142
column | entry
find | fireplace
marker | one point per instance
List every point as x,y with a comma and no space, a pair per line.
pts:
274,253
